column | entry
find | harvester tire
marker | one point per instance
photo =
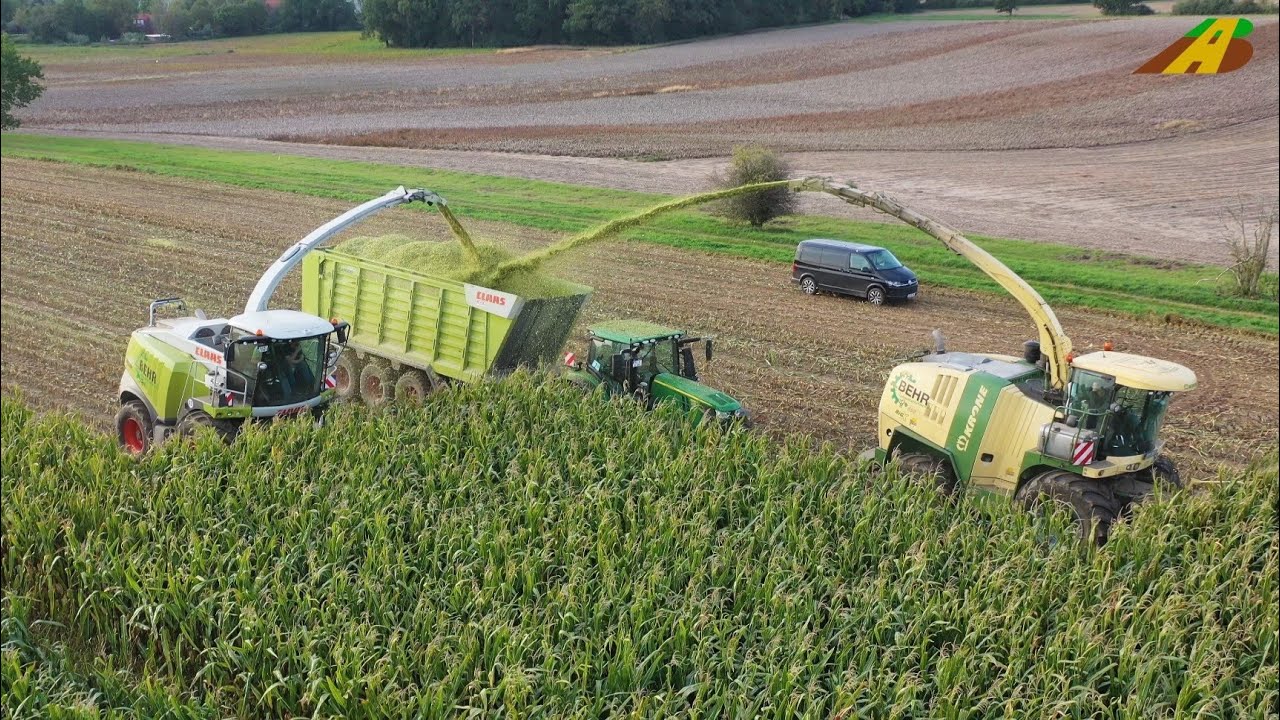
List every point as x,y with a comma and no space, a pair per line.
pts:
415,385
1162,477
192,421
1093,504
346,376
930,467
875,295
377,384
134,429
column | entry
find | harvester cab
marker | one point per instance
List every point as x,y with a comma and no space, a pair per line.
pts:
189,372
652,363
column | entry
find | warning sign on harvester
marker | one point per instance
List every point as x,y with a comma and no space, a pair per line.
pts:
493,301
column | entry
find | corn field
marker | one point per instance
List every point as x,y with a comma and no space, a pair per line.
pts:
513,549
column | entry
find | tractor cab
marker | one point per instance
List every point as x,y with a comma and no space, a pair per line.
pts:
1121,400
652,363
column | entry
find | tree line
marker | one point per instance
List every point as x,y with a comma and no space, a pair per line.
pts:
501,23
82,21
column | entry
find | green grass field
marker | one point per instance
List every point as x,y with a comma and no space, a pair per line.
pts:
1064,275
461,560
336,45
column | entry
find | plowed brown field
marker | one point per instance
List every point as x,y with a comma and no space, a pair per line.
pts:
85,249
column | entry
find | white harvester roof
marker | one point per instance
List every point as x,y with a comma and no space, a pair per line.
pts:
281,324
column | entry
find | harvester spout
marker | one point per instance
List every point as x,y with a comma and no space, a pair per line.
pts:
1054,342
270,280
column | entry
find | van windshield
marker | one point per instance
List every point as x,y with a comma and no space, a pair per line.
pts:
883,260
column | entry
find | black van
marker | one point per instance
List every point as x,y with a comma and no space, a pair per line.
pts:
852,269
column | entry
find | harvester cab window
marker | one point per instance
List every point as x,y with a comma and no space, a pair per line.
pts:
288,371
1089,399
1138,415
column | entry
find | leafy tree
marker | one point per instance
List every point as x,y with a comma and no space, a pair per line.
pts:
19,81
1006,6
317,15
1122,7
755,164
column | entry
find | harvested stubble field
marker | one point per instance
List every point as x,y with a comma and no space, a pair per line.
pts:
85,249
1033,129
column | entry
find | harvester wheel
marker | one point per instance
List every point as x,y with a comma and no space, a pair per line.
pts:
192,420
875,295
377,384
1161,477
808,285
415,385
134,428
1091,502
930,467
346,376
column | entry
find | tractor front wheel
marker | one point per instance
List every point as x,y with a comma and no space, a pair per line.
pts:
1091,503
134,429
193,420
377,384
930,467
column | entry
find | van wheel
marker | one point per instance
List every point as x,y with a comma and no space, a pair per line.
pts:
808,286
875,295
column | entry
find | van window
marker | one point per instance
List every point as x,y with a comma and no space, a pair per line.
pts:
858,261
807,254
833,258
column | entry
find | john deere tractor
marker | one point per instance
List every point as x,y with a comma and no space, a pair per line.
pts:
1082,432
652,363
185,373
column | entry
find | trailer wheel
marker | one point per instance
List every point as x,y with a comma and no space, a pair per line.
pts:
415,385
1091,502
929,467
377,384
134,429
192,421
346,376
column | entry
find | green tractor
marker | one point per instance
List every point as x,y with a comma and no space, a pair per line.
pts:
654,364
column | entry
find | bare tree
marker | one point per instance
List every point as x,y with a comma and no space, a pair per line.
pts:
1249,246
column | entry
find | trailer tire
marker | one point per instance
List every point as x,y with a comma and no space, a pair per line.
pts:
415,385
192,421
346,376
377,384
1093,504
930,467
134,428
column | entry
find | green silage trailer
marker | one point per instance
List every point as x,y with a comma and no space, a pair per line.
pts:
410,333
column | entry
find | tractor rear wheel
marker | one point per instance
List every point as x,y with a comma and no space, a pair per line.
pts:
134,429
1091,502
415,385
377,384
192,421
346,376
930,467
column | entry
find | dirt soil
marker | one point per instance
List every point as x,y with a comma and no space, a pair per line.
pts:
84,250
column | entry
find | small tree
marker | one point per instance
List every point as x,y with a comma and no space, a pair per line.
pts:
1006,6
1249,248
755,164
19,81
